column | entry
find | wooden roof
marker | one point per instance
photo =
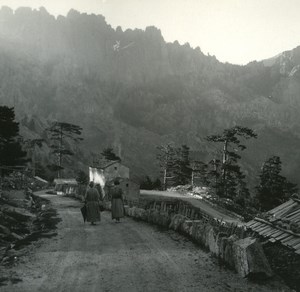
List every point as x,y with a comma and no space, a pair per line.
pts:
69,181
268,228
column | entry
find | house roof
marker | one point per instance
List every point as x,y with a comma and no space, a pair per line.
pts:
69,181
106,163
276,226
40,179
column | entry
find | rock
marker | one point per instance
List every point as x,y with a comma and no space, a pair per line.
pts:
176,222
228,250
187,227
4,230
130,212
164,219
140,213
16,236
212,241
250,260
198,229
153,216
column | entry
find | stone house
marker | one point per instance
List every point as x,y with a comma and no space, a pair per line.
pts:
105,173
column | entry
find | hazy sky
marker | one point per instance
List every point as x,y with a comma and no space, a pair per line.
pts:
237,31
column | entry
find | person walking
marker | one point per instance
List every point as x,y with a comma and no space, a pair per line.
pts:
92,201
117,204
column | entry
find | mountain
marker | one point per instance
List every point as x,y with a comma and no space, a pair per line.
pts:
133,91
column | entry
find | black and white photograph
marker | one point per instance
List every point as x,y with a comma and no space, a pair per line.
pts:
150,145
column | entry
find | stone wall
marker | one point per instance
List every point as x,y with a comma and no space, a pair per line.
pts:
229,242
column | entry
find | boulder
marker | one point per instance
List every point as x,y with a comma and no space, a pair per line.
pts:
212,241
140,213
227,253
187,227
130,211
198,230
164,219
176,222
249,259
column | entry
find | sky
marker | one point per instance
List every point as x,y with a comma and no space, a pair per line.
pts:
235,31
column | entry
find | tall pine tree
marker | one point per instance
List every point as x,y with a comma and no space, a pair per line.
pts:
60,133
231,183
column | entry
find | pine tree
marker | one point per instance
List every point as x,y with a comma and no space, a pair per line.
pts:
231,183
200,172
30,146
273,188
182,168
166,159
108,153
60,133
11,153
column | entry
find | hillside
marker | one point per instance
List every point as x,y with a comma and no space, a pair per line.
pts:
133,91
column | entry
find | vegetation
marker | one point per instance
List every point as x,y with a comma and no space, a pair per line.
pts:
273,188
148,184
82,177
60,133
231,182
11,153
30,146
109,154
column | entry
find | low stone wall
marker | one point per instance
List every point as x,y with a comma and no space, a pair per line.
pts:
233,247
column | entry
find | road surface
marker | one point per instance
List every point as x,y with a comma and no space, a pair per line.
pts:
130,256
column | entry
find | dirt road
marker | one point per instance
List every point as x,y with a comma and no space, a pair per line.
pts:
129,256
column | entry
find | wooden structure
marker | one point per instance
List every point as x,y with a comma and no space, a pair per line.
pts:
66,186
282,225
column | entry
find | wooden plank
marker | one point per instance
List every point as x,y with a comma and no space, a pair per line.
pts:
281,213
252,222
293,213
294,242
283,236
256,228
272,231
296,246
261,228
255,224
283,241
277,233
281,206
267,230
297,251
295,216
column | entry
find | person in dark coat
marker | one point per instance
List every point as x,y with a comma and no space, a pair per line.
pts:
117,205
92,200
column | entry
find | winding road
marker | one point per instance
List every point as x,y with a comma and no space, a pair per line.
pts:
130,256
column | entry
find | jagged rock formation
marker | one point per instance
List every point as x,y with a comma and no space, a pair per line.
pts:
132,90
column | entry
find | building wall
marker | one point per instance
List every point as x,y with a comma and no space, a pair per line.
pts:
131,191
116,170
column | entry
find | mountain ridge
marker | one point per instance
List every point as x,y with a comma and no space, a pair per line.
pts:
133,91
